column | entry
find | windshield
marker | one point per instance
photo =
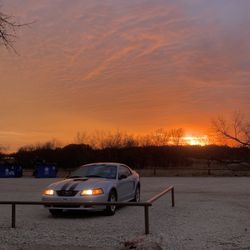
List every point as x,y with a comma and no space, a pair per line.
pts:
98,171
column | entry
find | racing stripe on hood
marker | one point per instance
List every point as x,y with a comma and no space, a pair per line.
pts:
66,185
76,182
72,188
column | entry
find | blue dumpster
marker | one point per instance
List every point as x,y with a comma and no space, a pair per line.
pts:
10,170
45,171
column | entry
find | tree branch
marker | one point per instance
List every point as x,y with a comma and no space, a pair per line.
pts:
8,28
238,132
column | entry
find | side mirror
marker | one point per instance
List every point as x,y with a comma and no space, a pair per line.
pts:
122,176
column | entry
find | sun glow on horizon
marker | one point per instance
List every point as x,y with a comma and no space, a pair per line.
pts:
196,140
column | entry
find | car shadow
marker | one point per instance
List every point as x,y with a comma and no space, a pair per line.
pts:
83,214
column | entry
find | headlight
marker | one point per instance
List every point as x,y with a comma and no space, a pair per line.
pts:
89,192
49,192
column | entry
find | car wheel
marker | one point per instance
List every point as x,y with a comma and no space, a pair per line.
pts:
56,212
110,210
137,194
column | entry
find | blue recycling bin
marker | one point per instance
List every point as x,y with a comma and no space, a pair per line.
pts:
45,171
10,171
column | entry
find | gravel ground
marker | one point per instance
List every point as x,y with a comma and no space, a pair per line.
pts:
210,213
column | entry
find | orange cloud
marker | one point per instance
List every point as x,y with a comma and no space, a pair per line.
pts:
123,64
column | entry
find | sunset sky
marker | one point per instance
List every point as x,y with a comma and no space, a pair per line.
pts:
133,65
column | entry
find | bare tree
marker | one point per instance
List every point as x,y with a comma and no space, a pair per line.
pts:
236,130
8,29
130,141
53,144
81,138
160,137
118,139
176,136
96,139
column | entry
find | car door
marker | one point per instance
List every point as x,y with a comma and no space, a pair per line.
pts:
126,183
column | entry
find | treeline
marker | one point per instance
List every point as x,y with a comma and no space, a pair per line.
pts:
74,155
119,139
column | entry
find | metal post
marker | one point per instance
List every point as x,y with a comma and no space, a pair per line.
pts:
172,195
13,213
146,219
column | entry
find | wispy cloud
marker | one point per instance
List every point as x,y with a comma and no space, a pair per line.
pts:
10,133
99,63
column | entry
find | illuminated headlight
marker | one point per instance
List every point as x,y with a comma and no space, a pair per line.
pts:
49,192
89,192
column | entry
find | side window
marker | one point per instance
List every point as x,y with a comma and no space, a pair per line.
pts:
124,172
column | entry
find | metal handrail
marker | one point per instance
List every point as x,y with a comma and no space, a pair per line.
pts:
146,205
157,196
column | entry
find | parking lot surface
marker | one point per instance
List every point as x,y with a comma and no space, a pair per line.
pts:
210,213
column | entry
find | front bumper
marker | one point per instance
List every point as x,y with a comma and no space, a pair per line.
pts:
78,198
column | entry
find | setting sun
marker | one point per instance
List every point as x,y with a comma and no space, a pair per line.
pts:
196,140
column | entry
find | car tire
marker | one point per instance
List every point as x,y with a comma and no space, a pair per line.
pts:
137,194
56,212
110,210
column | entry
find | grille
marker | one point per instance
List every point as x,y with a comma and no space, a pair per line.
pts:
67,192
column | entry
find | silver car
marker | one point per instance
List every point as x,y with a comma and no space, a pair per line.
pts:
96,182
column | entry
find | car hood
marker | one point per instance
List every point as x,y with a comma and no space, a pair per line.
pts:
81,183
